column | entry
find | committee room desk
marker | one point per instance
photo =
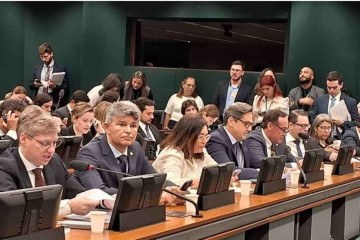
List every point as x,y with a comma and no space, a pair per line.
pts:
301,213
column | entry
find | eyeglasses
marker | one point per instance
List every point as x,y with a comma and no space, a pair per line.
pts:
246,124
46,145
190,85
303,125
323,128
203,138
285,131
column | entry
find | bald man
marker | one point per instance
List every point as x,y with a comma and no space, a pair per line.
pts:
303,96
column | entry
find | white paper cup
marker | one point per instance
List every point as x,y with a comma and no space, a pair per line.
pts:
245,186
294,179
337,144
190,208
97,221
328,169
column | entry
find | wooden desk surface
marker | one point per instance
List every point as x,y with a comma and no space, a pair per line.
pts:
331,188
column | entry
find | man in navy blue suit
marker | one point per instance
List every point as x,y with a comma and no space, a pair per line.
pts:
116,151
42,76
324,103
228,144
228,92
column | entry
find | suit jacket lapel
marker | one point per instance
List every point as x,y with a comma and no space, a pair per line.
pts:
49,175
108,155
156,134
131,161
228,142
22,170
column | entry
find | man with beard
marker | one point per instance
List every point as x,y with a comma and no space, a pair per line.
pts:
268,140
42,82
228,92
303,96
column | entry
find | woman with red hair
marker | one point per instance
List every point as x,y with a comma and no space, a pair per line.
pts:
270,98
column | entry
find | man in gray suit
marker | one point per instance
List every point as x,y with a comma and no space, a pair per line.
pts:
228,144
116,151
268,139
303,96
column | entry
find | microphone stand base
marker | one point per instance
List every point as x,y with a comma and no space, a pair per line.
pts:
312,177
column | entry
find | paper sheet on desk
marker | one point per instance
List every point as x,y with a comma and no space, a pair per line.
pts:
80,222
340,112
96,194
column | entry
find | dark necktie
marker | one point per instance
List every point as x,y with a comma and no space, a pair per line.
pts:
148,134
39,180
47,75
273,151
122,163
238,154
298,149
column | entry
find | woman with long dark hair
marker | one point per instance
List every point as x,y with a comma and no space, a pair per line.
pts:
136,88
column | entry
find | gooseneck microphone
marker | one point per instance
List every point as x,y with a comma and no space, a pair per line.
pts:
288,150
61,95
83,166
304,135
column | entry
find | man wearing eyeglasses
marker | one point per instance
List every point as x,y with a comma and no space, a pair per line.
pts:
298,123
268,140
323,104
228,92
34,164
228,144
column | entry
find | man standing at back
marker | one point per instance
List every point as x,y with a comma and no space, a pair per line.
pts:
228,92
42,76
324,103
303,96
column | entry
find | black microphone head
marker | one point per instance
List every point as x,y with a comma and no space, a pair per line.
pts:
80,166
303,135
61,93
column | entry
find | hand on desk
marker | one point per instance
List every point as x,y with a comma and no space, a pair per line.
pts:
81,205
171,200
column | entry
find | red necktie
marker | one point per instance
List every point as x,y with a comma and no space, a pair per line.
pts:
39,180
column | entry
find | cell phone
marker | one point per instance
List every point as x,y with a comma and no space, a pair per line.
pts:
4,116
186,185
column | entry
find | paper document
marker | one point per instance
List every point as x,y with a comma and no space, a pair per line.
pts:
96,194
340,112
58,78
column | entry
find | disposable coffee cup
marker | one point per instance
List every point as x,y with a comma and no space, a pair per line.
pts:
245,186
97,221
294,179
190,208
328,169
337,144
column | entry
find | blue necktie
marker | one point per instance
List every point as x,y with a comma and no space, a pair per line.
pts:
122,163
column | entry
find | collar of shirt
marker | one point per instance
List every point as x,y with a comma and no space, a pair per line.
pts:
68,106
231,85
267,140
337,97
116,152
28,165
358,133
2,133
290,138
143,126
232,139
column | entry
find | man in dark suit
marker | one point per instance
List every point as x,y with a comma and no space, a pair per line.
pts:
268,139
10,111
228,144
78,96
42,76
303,96
351,137
324,103
146,130
34,164
116,151
235,90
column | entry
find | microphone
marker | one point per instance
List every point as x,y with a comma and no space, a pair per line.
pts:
83,166
304,135
288,150
61,95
